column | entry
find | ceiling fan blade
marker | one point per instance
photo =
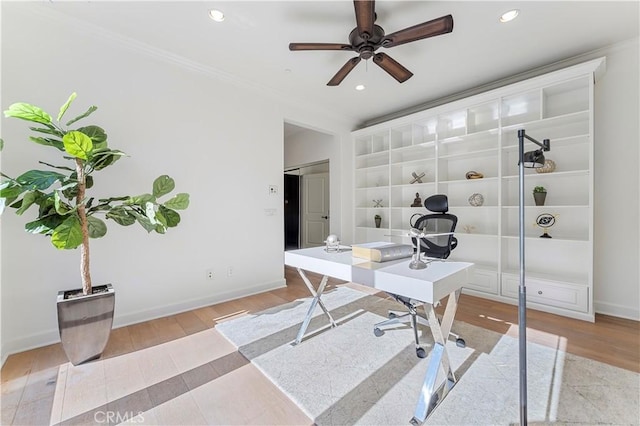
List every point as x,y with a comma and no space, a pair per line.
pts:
393,67
442,25
342,73
365,16
319,46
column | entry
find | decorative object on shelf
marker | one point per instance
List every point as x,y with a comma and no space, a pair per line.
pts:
417,178
549,166
378,220
474,175
417,202
476,200
545,221
539,195
332,244
531,159
468,229
377,203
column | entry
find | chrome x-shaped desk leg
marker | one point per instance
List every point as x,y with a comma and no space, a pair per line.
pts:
314,302
429,396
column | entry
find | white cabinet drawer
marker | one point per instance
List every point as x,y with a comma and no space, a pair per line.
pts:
484,280
552,293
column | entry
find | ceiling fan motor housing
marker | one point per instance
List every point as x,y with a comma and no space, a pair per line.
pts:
366,46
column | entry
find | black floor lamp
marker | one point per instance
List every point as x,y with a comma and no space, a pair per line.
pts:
531,159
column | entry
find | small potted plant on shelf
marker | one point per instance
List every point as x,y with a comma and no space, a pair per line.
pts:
69,216
539,195
378,220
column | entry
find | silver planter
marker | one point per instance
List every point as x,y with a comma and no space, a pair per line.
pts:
85,322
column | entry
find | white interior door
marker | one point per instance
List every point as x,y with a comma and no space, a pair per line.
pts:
315,209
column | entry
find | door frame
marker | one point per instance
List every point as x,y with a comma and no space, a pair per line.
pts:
308,168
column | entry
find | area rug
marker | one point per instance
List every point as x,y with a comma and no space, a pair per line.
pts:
347,376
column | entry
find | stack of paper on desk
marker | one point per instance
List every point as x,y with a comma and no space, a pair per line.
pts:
382,251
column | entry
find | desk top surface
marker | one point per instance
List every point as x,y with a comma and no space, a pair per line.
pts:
427,285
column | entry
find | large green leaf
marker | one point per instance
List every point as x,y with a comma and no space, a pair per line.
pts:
104,158
64,107
140,200
120,215
171,217
48,142
163,185
30,198
97,134
144,221
97,228
68,235
39,179
44,225
61,207
81,116
11,190
179,202
78,144
49,130
28,112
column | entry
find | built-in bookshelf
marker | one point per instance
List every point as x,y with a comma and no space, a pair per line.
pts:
441,145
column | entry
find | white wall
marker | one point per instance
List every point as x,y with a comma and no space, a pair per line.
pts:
220,142
617,182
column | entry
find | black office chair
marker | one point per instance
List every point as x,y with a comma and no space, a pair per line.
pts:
436,248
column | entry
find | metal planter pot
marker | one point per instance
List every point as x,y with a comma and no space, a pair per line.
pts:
85,322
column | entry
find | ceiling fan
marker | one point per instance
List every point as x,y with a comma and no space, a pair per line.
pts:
367,37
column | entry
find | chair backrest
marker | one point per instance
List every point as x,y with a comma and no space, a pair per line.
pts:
437,223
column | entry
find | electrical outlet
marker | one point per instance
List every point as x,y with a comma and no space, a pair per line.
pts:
209,274
230,271
273,189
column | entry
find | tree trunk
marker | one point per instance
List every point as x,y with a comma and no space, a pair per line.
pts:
82,214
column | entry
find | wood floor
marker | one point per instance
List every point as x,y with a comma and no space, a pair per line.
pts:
28,378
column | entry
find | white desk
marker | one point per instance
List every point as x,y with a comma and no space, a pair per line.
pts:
430,285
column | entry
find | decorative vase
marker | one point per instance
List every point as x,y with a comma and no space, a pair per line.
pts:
476,200
85,322
539,198
378,221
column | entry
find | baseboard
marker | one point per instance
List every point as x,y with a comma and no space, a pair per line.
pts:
50,337
614,310
149,314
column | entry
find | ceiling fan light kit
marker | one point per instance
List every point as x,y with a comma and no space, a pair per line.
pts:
368,37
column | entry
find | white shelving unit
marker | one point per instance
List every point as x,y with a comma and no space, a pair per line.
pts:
479,133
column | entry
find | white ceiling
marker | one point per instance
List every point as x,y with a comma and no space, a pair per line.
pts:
251,46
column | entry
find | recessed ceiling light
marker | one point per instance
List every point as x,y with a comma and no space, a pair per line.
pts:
216,15
360,87
509,15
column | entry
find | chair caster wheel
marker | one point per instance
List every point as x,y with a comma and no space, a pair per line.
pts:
378,332
421,353
461,343
391,315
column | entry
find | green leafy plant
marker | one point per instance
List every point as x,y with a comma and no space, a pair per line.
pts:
377,216
65,212
539,189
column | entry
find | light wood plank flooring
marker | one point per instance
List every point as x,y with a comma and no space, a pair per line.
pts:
29,379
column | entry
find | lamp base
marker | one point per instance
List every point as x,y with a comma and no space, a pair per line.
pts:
545,235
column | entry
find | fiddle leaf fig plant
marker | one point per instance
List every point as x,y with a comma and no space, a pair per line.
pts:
59,194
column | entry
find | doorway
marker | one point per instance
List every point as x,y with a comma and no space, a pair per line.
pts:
306,205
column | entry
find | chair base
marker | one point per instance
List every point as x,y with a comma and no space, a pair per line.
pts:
412,316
